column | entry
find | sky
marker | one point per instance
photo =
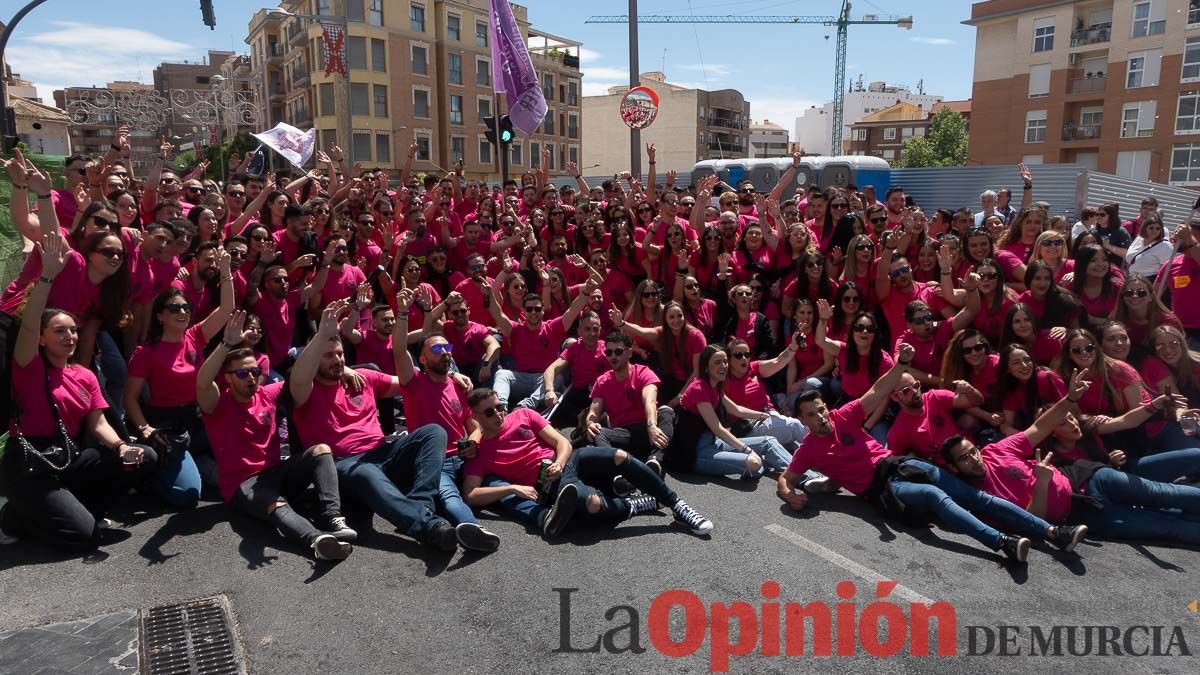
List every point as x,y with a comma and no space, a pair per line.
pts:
781,69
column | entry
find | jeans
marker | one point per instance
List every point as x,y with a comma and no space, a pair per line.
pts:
510,383
789,431
635,438
177,481
715,457
113,370
449,500
399,479
592,471
956,505
524,511
1135,508
787,402
1166,466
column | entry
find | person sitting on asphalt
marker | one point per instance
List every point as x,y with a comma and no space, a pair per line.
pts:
511,468
907,489
475,348
432,397
585,362
744,386
924,418
253,479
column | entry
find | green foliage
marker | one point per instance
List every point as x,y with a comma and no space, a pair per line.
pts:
11,243
945,144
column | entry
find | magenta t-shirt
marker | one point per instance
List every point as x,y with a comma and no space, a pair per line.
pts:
809,357
534,349
748,391
74,389
469,347
1010,476
346,422
1050,388
514,454
278,319
848,455
72,290
928,353
623,398
377,350
922,434
694,343
170,368
893,307
242,437
587,365
342,284
1183,276
700,391
857,383
1102,305
440,403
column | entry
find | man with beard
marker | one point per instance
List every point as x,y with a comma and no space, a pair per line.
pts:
296,242
894,285
476,291
343,280
201,286
472,241
373,346
240,420
927,418
395,477
668,212
431,397
894,204
628,395
475,348
586,361
817,205
418,238
275,304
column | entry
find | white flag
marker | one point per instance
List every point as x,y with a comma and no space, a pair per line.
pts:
294,145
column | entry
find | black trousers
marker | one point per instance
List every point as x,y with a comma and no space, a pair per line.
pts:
287,481
635,438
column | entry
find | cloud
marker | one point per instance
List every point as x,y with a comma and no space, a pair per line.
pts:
594,88
605,73
936,42
716,70
106,39
588,55
780,108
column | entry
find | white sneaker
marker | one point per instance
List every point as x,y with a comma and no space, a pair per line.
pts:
327,547
6,538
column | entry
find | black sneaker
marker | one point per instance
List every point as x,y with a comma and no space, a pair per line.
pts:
327,547
560,514
443,537
643,504
1067,537
621,486
687,517
336,525
655,465
1016,548
474,537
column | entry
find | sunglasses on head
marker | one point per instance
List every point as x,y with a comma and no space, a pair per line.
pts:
619,351
1136,292
441,348
491,412
1086,349
975,348
178,307
243,373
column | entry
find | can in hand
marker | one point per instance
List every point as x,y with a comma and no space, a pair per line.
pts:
543,479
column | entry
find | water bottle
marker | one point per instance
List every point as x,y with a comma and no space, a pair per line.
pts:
285,450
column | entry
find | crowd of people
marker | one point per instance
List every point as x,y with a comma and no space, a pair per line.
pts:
427,348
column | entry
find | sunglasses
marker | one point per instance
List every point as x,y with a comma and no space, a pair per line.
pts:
740,355
111,253
1053,242
989,276
164,181
195,189
478,268
691,287
895,274
277,280
975,348
865,328
864,247
459,312
105,223
851,298
532,310
441,348
1086,349
922,320
790,214
258,237
746,191
1136,292
620,351
649,294
756,289
367,223
879,221
742,294
178,307
839,206
712,237
237,254
243,373
814,264
915,386
491,412
236,193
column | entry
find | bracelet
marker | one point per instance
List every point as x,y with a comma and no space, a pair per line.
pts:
228,346
1029,186
402,315
947,273
20,187
46,279
653,162
45,196
228,278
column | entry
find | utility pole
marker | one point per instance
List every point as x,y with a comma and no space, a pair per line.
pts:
635,79
8,117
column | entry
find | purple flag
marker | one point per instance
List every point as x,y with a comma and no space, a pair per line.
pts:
512,70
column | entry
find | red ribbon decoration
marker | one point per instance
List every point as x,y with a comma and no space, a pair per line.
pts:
334,45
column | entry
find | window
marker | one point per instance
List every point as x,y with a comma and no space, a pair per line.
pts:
456,111
906,132
572,126
481,34
1185,164
1035,126
515,154
548,124
383,148
1039,80
375,12
572,93
889,134
378,56
483,73
356,52
1091,116
354,10
458,151
1149,18
550,154
1193,18
483,108
423,147
1187,115
889,154
420,103
859,135
454,27
361,145
416,18
1134,164
485,151
573,155
535,155
325,94
1137,119
919,131
454,68
323,7
359,100
1033,159
1043,34
329,138
548,86
1142,69
381,100
420,66
1191,60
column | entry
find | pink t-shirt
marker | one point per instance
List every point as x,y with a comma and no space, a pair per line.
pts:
1010,476
243,437
74,389
534,349
1183,278
342,284
893,307
848,455
202,299
514,454
809,357
1102,305
473,298
1050,388
440,403
857,383
922,434
748,391
928,353
72,290
694,343
346,422
623,398
586,365
1120,375
468,342
376,349
278,319
700,391
170,368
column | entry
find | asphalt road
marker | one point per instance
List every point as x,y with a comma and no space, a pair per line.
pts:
395,607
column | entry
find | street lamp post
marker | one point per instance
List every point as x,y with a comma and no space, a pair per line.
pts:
217,81
8,118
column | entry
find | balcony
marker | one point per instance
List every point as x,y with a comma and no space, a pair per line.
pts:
726,122
1092,35
295,34
726,147
300,77
1086,83
1080,132
571,61
274,54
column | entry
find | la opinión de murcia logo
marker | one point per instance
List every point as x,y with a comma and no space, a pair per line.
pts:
874,626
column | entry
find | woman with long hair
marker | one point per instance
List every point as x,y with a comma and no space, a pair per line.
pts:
1174,367
1143,312
1023,387
848,300
662,262
1097,284
208,228
125,206
746,386
701,311
861,360
977,246
1114,342
625,254
739,319
438,272
322,218
791,248
810,366
168,363
1052,248
678,343
969,358
1150,251
705,262
752,250
861,265
995,298
812,281
645,309
556,294
271,214
1018,239
1053,305
1022,328
99,216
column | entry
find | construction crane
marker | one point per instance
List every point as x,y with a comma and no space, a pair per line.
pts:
842,21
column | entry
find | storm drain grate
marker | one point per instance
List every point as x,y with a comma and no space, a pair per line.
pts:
191,638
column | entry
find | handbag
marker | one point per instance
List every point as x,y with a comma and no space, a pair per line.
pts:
55,458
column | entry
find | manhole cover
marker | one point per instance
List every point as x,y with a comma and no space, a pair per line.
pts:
191,638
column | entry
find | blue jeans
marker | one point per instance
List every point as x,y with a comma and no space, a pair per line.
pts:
715,457
114,370
177,480
1166,466
1136,508
449,499
524,511
399,479
956,504
529,386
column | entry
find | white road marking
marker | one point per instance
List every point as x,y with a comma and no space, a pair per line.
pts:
845,563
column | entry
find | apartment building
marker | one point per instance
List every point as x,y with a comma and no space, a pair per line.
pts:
420,71
883,133
94,119
768,139
814,129
692,125
1110,84
196,77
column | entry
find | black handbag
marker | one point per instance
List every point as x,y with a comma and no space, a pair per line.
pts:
54,459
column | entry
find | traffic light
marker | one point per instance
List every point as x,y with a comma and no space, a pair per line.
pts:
206,13
490,123
506,130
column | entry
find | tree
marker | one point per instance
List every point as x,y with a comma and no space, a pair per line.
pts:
944,145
